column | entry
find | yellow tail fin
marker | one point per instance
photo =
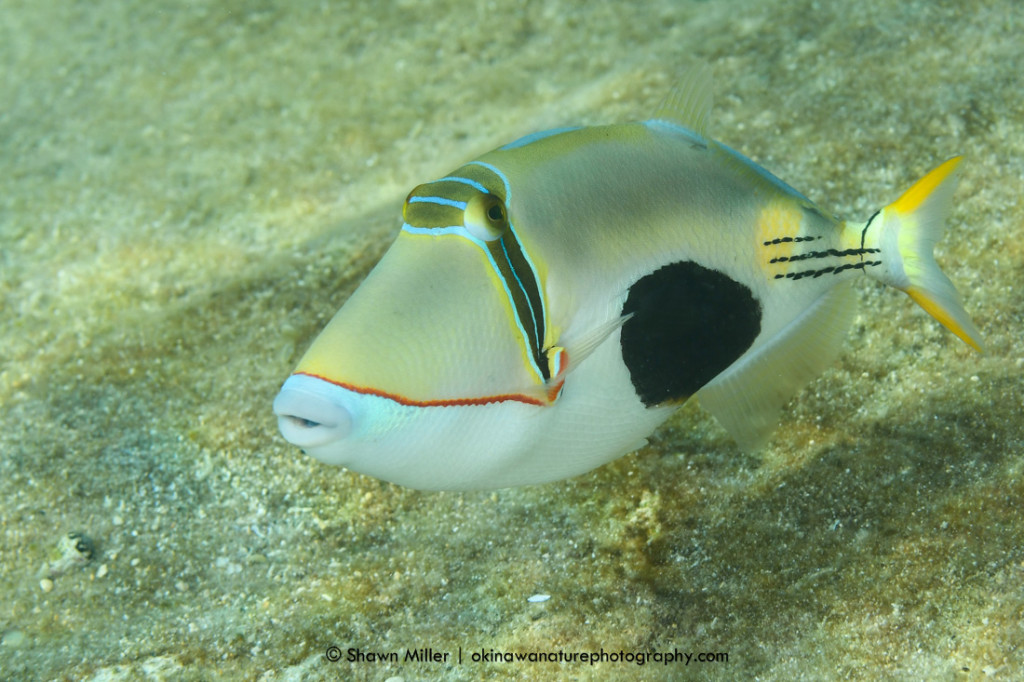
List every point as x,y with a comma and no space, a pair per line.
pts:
906,233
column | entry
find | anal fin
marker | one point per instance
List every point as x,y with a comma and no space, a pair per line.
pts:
747,397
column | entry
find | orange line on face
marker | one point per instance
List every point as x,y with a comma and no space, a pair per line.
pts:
445,402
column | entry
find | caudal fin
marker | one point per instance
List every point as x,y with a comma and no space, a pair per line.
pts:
906,231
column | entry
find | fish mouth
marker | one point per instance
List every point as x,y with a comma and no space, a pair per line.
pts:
307,416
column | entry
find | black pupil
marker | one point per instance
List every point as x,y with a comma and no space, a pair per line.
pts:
495,213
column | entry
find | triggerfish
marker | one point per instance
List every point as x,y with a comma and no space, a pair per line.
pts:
547,306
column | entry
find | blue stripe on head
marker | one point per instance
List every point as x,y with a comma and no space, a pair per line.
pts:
504,180
457,230
461,205
534,137
538,342
465,181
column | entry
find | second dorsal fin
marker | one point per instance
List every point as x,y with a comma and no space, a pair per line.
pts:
688,104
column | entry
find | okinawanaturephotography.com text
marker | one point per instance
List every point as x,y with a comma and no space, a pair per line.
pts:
462,656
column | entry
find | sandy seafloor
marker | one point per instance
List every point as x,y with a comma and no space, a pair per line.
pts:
188,191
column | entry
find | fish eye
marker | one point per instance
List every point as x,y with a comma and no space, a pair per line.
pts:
485,217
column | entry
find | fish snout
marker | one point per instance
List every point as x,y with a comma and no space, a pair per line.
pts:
307,416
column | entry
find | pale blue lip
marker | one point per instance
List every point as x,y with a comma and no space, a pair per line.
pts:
307,414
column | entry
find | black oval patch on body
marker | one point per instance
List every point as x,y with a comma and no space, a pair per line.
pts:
689,323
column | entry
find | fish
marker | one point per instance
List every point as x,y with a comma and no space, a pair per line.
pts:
547,306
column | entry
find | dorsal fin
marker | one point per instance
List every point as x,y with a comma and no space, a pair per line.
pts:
689,103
